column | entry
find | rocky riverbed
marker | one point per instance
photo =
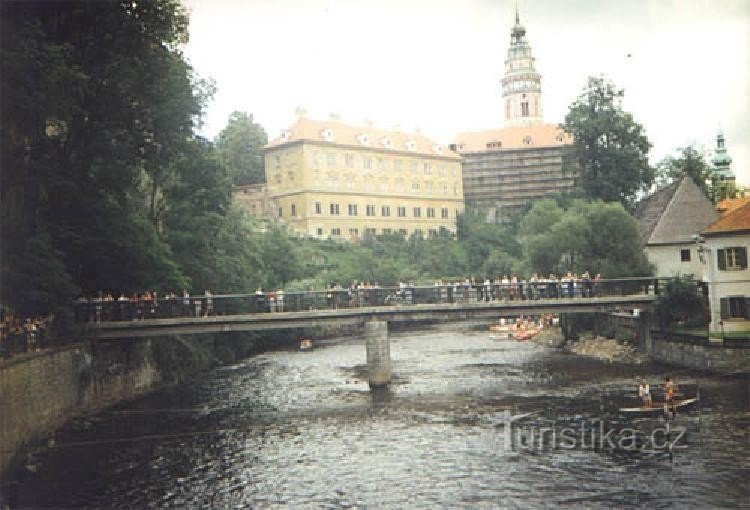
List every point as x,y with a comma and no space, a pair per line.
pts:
607,349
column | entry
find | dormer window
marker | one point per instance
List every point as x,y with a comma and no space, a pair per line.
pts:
527,140
494,145
386,142
410,146
327,135
363,138
437,149
560,138
286,135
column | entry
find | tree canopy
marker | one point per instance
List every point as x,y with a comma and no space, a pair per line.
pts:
690,162
588,236
240,145
610,150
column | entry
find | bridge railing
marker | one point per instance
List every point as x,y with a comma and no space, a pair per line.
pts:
97,310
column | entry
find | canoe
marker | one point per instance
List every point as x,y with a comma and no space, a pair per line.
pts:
659,407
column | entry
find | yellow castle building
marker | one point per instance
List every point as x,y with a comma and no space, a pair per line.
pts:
327,178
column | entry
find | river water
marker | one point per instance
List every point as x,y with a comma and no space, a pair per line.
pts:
302,430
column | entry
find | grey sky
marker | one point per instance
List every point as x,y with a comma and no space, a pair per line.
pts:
436,66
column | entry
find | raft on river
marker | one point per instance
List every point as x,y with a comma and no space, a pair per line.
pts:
659,406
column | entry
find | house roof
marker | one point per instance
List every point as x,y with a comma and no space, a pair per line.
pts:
674,214
514,137
730,204
340,133
736,221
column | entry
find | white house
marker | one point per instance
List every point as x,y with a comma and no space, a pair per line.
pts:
668,220
725,245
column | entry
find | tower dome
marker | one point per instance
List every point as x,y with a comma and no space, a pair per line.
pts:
521,84
721,160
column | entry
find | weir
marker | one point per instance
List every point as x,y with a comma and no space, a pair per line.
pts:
378,353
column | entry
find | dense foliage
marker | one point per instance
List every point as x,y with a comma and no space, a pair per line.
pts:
680,305
240,144
689,162
610,150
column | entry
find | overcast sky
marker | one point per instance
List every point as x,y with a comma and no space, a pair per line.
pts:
436,65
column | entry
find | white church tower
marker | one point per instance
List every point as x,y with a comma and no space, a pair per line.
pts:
522,85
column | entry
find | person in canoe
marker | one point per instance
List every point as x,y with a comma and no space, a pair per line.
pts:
644,391
670,389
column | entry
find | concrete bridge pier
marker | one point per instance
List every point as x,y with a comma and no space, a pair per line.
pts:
378,353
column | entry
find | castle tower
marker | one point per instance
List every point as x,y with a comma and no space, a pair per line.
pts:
725,185
522,85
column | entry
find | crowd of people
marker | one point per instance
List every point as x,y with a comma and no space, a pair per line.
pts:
512,287
19,334
509,287
144,305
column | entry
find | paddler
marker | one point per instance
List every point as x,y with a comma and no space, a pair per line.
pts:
670,388
644,391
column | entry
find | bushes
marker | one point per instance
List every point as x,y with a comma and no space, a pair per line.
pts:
680,305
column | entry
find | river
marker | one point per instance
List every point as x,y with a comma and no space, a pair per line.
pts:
302,430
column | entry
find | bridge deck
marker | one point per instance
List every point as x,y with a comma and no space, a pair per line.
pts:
402,313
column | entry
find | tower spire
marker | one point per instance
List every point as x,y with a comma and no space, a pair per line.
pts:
522,85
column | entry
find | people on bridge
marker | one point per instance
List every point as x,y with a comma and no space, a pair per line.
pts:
504,287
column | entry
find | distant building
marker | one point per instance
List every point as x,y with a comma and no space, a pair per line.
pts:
504,169
668,221
254,199
331,179
725,185
727,242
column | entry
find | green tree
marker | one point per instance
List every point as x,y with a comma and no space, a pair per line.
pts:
610,149
588,236
688,162
679,304
240,145
480,239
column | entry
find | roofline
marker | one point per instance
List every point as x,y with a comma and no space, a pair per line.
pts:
373,195
730,232
671,243
508,149
383,150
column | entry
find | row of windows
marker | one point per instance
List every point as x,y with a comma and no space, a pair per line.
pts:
368,162
399,186
729,259
385,210
354,232
370,210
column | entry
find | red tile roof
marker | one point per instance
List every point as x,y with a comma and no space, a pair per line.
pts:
515,137
730,204
737,220
347,134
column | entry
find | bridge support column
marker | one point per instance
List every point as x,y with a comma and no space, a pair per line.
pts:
378,353
643,332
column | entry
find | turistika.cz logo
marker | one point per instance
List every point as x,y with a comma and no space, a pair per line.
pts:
592,436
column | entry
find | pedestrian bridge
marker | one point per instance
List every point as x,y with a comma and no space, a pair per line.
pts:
399,313
373,308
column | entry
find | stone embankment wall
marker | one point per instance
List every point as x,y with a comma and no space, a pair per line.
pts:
714,357
40,391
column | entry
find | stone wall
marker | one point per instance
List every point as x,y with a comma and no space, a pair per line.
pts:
673,350
714,358
40,391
